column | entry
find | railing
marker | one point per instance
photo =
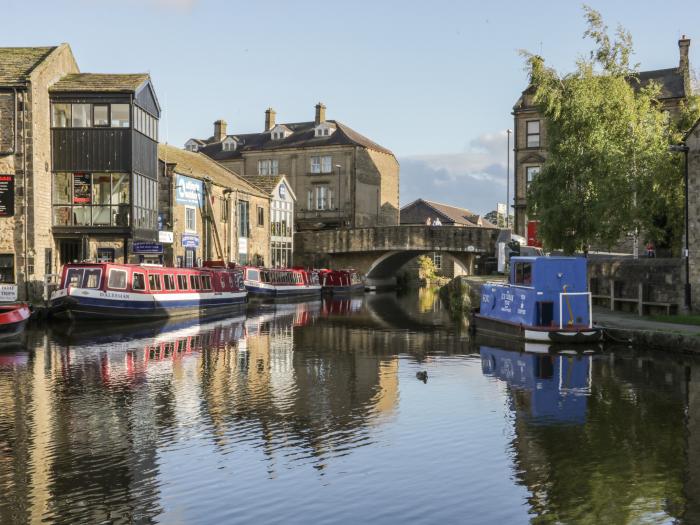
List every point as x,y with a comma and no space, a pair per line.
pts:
561,306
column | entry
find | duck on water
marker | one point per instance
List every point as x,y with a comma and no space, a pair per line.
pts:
545,299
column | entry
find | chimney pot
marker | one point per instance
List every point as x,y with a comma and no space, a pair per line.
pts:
270,115
219,130
320,113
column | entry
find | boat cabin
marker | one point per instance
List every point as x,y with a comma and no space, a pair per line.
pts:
138,278
541,291
281,276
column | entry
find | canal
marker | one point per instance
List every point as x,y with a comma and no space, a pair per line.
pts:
313,413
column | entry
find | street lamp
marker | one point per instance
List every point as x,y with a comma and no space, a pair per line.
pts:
682,148
508,132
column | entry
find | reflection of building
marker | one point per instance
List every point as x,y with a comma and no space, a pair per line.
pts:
340,178
210,212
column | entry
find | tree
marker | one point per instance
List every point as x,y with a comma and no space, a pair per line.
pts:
609,170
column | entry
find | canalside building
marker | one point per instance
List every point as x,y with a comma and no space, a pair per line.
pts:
340,177
530,149
209,212
78,157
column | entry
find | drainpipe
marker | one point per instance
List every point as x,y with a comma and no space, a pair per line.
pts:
25,206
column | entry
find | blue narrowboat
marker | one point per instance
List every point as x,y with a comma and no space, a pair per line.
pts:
546,299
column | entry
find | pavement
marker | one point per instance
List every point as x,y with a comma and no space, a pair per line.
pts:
606,318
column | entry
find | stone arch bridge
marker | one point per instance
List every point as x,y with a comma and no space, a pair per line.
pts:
379,252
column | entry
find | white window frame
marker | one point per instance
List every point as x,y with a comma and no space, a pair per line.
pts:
189,209
326,164
315,166
268,167
109,279
528,169
529,134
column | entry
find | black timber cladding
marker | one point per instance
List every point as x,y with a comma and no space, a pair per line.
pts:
91,149
144,155
146,100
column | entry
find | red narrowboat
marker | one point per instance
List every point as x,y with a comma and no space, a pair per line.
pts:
139,291
341,281
13,318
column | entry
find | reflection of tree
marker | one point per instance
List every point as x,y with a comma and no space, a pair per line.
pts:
624,463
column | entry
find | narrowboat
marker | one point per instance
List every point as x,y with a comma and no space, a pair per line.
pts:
281,282
341,281
13,319
546,299
141,291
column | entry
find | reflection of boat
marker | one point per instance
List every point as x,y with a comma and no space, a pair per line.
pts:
341,281
519,345
281,282
135,291
545,299
556,386
341,305
13,319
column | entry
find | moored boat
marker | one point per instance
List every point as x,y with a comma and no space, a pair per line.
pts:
341,281
281,282
140,291
546,299
13,318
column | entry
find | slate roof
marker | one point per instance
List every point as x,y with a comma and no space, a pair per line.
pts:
302,136
101,82
17,63
199,166
448,214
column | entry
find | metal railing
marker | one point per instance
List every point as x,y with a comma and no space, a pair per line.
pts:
561,307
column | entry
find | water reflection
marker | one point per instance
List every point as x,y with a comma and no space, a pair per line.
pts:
311,412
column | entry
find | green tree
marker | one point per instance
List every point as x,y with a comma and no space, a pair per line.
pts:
609,169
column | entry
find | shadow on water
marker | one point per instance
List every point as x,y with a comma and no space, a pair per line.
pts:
311,411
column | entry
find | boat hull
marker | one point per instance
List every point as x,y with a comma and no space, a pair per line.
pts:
13,320
344,290
264,290
79,303
551,335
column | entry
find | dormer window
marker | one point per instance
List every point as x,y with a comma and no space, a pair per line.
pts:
191,145
229,144
280,132
324,129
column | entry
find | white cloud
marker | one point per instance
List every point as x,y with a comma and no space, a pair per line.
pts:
474,178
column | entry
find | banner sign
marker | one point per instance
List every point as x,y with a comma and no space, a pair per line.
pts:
82,190
188,191
8,292
147,247
7,195
190,240
165,237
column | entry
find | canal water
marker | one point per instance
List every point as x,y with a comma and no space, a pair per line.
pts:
312,413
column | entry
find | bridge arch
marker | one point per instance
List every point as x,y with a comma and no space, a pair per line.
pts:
382,271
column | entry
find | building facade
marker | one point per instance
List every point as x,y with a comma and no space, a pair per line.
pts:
209,213
340,177
281,219
530,133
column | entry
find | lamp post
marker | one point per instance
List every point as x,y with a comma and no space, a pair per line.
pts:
682,148
508,132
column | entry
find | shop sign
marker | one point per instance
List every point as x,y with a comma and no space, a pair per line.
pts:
190,240
82,190
147,247
8,292
188,191
243,245
165,237
7,195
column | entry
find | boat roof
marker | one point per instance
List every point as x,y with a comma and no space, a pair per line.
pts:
534,258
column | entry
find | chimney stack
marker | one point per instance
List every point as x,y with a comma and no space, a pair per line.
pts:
683,47
219,130
270,115
320,113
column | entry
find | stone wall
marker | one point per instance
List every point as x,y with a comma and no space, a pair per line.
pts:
662,280
693,143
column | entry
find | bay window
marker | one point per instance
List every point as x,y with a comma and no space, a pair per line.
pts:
91,199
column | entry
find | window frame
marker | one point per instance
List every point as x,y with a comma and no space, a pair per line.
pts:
169,278
109,279
192,229
133,281
155,278
181,277
109,118
529,134
528,170
261,216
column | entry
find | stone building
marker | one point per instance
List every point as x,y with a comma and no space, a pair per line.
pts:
530,146
419,212
692,141
340,177
27,249
209,213
281,219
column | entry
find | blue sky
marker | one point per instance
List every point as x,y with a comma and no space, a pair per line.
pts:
433,81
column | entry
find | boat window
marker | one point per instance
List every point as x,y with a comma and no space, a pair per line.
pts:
206,282
154,282
138,282
74,277
91,278
523,274
169,282
182,282
117,279
253,275
194,282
